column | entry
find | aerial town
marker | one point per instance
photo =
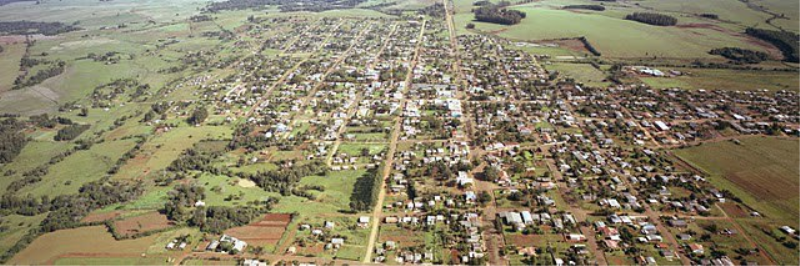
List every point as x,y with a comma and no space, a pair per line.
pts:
393,139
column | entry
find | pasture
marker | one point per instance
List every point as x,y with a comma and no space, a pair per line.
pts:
67,176
618,38
9,63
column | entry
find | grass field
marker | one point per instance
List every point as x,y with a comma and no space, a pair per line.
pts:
726,79
164,148
9,64
336,197
616,37
762,171
18,226
584,73
67,176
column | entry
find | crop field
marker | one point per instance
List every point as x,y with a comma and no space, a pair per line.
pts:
93,239
133,260
265,232
762,171
726,79
142,224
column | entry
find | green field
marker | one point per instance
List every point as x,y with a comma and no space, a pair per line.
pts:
762,172
583,73
615,37
726,79
9,64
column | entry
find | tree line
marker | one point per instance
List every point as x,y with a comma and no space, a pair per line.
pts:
586,7
12,141
740,55
589,46
653,19
783,40
366,190
498,14
40,76
70,132
25,27
435,11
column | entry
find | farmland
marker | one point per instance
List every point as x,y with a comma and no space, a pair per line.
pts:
727,80
616,37
265,232
93,239
762,170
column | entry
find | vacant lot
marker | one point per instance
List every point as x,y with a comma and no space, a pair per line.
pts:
142,223
583,73
93,239
762,171
267,231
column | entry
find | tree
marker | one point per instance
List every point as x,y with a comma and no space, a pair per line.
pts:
498,14
198,116
490,173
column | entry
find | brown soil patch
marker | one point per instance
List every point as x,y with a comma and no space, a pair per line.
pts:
569,44
524,241
734,210
142,223
404,237
267,231
761,183
99,217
